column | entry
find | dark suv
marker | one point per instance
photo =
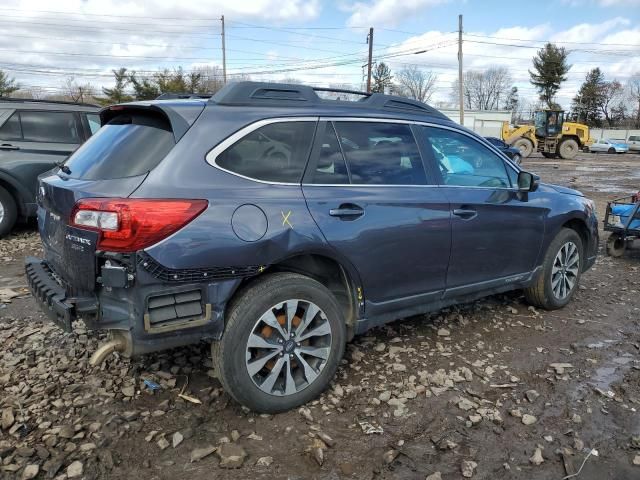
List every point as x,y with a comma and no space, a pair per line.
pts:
34,137
278,225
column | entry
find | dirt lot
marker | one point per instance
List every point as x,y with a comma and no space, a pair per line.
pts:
492,390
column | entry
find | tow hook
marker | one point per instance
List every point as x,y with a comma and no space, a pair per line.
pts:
117,344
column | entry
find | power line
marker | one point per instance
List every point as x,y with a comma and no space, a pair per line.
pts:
555,41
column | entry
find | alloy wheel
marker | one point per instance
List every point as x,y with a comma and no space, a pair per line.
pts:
288,347
564,273
1,212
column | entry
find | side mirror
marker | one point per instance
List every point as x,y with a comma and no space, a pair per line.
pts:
528,182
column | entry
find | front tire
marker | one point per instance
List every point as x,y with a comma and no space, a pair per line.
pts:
8,212
611,150
284,337
525,146
561,271
568,149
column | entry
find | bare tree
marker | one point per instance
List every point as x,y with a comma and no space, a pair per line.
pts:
612,93
415,83
484,90
633,88
76,92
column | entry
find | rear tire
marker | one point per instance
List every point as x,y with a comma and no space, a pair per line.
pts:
568,149
561,271
524,145
8,212
616,245
264,358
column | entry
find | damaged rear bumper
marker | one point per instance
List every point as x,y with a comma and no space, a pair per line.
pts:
51,296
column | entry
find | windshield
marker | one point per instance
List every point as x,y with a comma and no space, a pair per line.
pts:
129,145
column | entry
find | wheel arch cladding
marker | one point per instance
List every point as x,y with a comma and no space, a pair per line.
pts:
580,227
327,271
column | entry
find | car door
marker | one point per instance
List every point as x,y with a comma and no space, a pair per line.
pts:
497,231
367,190
38,140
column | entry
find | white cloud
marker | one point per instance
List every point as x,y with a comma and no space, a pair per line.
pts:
385,12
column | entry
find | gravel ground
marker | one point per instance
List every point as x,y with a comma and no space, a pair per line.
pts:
488,390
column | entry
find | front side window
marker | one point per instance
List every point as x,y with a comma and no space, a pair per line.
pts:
380,153
50,127
277,152
465,162
11,129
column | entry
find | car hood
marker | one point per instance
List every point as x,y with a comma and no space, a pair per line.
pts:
565,190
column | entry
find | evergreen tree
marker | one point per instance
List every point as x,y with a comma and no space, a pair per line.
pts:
587,103
117,94
550,68
382,78
143,88
7,85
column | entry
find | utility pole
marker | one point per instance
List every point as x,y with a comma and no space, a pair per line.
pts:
224,54
370,42
460,86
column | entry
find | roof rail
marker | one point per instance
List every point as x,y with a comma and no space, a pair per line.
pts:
33,100
182,96
291,95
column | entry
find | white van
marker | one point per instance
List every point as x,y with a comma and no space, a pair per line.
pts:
634,143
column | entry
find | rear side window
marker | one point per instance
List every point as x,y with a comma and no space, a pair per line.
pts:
50,127
130,144
277,152
331,168
381,153
94,122
11,130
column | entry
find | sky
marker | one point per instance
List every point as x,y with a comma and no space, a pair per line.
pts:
322,43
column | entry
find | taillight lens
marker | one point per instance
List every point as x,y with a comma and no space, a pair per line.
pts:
131,224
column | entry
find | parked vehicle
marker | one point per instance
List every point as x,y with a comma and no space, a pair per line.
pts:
550,135
511,152
35,136
634,143
278,225
609,145
622,219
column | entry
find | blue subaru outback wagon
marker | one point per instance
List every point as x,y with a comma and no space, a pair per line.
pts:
277,225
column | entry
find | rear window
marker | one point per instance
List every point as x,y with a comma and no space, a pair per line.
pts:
130,144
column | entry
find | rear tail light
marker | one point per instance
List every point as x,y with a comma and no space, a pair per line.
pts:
131,224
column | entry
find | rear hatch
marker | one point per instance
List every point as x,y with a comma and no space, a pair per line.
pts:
112,164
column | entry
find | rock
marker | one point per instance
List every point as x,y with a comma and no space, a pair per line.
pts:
434,476
516,412
163,443
306,413
235,435
380,347
264,461
129,391
75,469
389,456
465,404
200,453
475,419
326,438
385,396
176,439
636,460
67,432
575,418
537,458
578,444
7,418
468,468
29,472
560,367
443,332
399,367
531,395
231,455
318,455
528,419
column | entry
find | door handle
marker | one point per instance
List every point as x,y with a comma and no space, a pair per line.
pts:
6,146
347,210
465,213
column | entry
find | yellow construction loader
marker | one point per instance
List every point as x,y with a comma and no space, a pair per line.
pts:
550,135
